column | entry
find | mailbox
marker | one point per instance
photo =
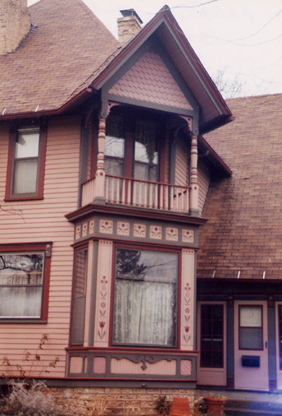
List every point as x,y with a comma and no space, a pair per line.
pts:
250,361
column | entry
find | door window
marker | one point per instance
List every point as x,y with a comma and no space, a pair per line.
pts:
212,336
250,327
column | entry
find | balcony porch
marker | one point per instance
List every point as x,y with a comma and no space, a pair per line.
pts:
139,193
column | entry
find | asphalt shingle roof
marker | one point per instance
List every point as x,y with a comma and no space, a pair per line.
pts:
66,47
244,231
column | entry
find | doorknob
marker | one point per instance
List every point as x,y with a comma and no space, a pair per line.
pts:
265,344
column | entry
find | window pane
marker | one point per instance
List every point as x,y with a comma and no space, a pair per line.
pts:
21,285
146,151
211,335
114,166
25,176
79,297
145,298
114,146
251,338
27,144
250,316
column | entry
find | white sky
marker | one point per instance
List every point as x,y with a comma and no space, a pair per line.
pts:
242,38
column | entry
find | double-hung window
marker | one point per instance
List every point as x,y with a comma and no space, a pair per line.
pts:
132,144
24,280
26,162
145,293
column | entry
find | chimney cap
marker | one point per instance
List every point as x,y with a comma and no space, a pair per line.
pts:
130,12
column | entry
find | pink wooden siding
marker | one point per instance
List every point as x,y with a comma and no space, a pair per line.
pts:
44,220
203,181
181,164
150,80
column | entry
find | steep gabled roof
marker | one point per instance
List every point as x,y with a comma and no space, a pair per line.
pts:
70,50
67,44
214,111
244,230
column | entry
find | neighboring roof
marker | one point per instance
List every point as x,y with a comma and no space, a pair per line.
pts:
67,44
70,50
244,230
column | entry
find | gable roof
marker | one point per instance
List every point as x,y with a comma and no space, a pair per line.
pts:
244,230
70,54
168,34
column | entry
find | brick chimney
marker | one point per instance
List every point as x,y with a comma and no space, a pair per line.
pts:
14,24
128,25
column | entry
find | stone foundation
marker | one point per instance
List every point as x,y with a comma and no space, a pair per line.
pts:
114,401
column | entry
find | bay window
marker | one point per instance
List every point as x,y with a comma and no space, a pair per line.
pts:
145,298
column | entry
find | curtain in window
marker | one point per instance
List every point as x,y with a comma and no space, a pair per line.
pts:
145,298
144,313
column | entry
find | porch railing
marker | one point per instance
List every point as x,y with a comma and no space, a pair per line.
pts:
138,193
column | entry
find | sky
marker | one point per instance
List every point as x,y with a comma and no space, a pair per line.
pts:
239,42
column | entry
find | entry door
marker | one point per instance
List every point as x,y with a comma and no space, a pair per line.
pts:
251,345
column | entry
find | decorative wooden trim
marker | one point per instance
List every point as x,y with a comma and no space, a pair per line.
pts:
187,300
136,212
142,357
103,294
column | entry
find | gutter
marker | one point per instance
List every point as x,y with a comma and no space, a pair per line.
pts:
69,105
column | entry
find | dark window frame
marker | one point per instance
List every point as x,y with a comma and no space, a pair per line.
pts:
44,248
9,195
211,350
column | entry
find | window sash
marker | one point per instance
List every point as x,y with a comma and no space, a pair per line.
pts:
250,327
21,285
26,162
145,292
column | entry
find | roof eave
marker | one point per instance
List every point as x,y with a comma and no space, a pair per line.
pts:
214,158
67,106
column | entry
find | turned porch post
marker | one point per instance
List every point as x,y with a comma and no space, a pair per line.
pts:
100,172
194,202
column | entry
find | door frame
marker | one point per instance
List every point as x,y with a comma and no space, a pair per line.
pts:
251,377
212,376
